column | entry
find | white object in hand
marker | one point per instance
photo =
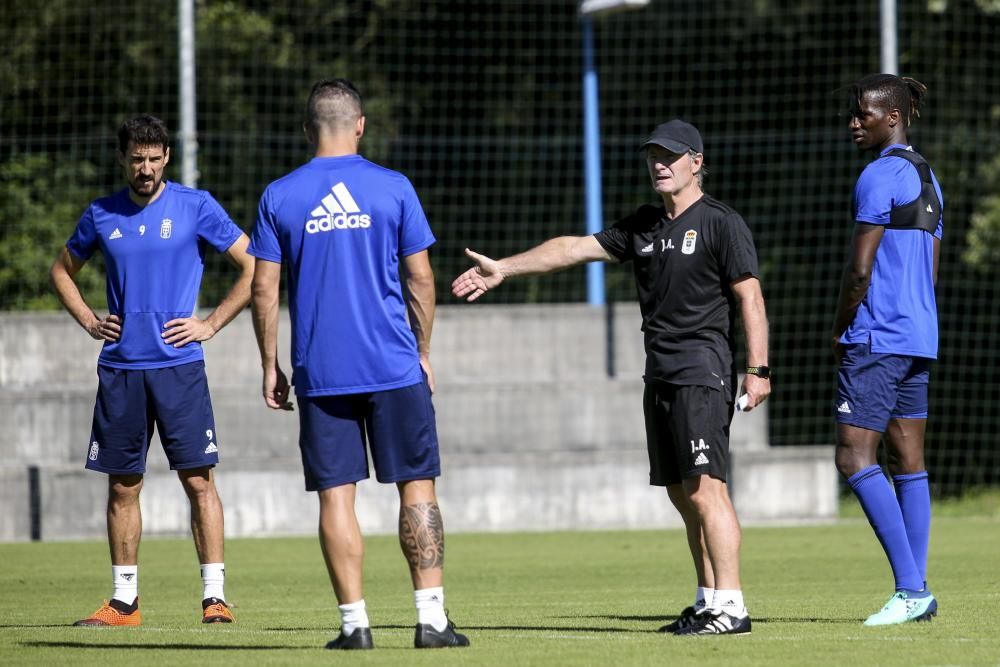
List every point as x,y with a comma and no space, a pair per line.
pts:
742,402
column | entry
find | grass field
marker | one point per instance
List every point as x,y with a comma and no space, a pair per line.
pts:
582,598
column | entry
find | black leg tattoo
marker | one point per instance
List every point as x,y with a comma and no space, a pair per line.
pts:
421,535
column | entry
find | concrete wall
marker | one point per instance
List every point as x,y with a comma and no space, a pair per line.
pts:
534,435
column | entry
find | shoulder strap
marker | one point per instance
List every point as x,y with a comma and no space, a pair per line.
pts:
914,158
923,212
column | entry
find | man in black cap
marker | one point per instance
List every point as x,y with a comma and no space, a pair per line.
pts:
695,265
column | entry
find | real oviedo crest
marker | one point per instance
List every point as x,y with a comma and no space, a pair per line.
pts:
690,240
165,228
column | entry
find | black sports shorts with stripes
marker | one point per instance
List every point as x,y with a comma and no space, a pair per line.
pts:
687,432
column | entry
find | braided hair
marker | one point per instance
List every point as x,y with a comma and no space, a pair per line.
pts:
889,91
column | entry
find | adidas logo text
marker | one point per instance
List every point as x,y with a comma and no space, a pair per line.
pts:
337,211
701,460
844,408
117,234
648,248
211,449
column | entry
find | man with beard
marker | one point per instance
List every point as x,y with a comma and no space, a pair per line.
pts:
153,236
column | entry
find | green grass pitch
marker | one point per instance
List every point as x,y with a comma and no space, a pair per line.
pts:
569,598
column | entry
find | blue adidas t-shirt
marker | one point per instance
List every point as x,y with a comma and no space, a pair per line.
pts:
154,256
899,312
341,225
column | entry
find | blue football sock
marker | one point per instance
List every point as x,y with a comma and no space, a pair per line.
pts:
882,509
914,496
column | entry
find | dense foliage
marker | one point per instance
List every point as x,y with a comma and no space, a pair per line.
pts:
480,105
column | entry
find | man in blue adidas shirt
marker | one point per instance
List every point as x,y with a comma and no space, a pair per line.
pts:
886,334
153,236
345,229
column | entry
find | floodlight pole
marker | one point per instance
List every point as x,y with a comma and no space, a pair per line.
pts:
592,160
890,50
188,134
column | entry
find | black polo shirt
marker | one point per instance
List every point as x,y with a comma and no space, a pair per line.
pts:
683,271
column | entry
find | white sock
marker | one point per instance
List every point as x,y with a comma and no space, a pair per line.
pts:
125,579
430,607
353,615
213,578
703,598
730,602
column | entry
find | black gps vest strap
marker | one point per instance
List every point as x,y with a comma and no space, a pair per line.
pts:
923,212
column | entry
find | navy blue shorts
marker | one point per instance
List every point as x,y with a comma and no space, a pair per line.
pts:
873,388
130,402
397,425
687,432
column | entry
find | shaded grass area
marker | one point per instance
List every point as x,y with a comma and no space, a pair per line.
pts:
581,598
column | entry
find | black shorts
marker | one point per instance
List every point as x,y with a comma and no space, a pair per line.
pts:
687,432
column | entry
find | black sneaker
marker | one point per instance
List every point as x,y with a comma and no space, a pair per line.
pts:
717,623
427,637
687,618
360,639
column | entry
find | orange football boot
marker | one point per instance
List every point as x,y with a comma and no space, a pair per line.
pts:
215,610
109,615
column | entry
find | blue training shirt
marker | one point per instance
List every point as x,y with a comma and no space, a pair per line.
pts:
899,312
341,225
155,257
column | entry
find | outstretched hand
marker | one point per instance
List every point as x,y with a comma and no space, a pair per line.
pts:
478,280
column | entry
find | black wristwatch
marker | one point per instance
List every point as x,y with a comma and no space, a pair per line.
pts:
763,372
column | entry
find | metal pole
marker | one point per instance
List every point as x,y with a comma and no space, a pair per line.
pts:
890,50
34,503
188,135
592,161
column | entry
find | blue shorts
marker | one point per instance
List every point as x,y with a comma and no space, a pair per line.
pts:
398,426
130,402
873,388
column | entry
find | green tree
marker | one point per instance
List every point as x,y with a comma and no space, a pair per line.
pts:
983,238
41,196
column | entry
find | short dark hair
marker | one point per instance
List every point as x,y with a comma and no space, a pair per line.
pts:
143,130
889,91
333,102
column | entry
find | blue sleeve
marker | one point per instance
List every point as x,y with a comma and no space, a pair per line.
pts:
414,230
939,232
264,237
215,227
885,183
83,242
